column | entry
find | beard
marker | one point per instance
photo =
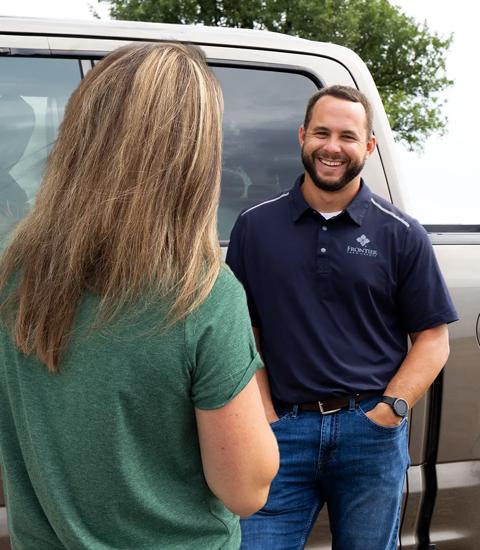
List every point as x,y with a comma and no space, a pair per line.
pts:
352,171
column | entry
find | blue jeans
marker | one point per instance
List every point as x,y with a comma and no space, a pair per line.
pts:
343,459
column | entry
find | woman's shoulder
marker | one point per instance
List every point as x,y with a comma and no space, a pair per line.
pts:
226,287
226,296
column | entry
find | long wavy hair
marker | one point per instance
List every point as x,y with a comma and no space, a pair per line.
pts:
127,205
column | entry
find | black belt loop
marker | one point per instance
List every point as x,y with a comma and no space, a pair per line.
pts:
352,403
295,411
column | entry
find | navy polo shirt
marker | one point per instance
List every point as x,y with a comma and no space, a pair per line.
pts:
334,300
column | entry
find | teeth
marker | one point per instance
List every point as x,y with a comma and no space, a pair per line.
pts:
331,163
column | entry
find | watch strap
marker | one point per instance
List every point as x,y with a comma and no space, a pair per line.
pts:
389,400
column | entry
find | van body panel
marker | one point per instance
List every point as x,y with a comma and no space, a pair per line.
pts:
455,523
4,539
39,43
460,425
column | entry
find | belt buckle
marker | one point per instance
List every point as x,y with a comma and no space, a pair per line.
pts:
320,406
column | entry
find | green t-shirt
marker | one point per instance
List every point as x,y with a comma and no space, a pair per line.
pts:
105,455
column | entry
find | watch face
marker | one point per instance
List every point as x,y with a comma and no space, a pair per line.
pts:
400,407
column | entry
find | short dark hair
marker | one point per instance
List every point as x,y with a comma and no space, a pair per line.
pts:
341,92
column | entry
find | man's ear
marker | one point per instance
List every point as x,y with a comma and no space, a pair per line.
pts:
301,135
371,144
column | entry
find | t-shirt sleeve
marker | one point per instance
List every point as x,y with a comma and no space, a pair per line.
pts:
220,345
423,297
236,261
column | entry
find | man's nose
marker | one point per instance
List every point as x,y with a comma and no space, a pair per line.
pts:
332,145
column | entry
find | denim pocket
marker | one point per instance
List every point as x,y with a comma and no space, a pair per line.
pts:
367,406
282,414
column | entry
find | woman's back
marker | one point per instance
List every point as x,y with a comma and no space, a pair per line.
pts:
106,454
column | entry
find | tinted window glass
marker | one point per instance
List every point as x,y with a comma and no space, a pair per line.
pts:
263,110
33,95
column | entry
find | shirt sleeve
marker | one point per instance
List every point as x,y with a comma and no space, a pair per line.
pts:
423,297
220,345
237,260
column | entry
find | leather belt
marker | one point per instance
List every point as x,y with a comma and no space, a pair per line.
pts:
330,406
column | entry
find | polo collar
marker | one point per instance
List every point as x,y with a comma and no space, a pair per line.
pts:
356,209
360,204
298,205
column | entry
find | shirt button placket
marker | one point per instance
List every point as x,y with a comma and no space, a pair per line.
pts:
323,264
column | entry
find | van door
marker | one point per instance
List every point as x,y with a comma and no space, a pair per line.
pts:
455,462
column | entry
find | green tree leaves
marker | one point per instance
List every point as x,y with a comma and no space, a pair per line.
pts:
406,59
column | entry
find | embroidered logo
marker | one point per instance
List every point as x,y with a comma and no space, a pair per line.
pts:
363,240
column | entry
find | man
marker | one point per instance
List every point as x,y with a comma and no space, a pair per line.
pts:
337,279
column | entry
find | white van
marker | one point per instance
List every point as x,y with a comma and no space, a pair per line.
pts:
267,79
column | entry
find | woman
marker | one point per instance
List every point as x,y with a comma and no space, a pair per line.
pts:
126,355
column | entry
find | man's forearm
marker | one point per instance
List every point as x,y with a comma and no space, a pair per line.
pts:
426,358
424,361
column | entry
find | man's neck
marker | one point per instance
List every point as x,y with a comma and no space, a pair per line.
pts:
327,201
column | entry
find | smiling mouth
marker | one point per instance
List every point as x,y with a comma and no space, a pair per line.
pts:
331,163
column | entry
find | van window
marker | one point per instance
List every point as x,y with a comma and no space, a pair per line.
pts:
261,157
263,109
33,95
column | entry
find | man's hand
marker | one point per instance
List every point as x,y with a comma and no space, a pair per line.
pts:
262,380
383,414
264,385
271,416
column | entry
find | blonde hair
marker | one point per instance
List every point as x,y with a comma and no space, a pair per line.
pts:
128,201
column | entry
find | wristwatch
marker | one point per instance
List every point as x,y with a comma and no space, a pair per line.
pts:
399,405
